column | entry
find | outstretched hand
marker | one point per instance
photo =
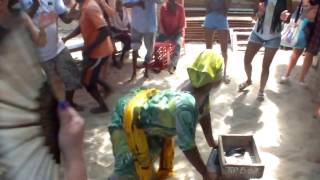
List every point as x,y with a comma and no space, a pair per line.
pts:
285,15
71,142
210,176
71,131
46,19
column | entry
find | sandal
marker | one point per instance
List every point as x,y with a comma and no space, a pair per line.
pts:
284,80
244,85
303,84
226,79
260,96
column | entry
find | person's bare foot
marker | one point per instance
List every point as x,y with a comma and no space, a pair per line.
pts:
133,76
212,144
146,74
260,96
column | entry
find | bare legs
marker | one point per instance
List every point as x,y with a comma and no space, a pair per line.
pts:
223,37
251,51
307,61
293,60
306,66
267,59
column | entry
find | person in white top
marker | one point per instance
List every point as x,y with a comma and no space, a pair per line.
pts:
56,59
267,33
120,26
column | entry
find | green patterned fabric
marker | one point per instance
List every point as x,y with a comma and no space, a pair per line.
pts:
168,113
206,68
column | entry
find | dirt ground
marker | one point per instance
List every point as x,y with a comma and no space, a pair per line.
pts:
286,134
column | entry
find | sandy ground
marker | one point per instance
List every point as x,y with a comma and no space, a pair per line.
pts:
285,132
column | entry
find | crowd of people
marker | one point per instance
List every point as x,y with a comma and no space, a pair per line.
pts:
145,120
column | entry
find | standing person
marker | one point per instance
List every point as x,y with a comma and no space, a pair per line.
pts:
143,27
11,18
56,59
120,26
97,49
267,33
172,24
307,15
216,22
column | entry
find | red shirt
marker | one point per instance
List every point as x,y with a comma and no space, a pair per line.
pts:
91,21
172,22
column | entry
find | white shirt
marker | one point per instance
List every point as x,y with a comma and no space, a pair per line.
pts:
54,44
266,34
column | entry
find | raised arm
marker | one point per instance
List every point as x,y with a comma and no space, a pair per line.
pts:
68,16
38,35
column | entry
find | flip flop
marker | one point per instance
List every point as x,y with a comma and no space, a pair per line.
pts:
226,79
260,96
244,85
284,80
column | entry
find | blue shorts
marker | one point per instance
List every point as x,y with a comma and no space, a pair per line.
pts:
215,20
271,43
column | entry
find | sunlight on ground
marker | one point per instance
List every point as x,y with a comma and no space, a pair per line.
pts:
280,124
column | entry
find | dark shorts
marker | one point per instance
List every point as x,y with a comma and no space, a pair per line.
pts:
91,71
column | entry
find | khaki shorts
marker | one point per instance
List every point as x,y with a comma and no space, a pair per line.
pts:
64,67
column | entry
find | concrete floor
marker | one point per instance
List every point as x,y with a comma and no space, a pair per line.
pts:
286,134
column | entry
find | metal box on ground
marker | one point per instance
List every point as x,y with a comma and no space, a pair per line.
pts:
239,158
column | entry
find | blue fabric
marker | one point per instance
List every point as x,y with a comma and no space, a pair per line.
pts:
302,41
144,20
216,20
166,114
272,43
46,6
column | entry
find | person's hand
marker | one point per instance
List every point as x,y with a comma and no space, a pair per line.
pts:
210,176
71,142
285,15
71,132
74,13
64,39
261,8
46,19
